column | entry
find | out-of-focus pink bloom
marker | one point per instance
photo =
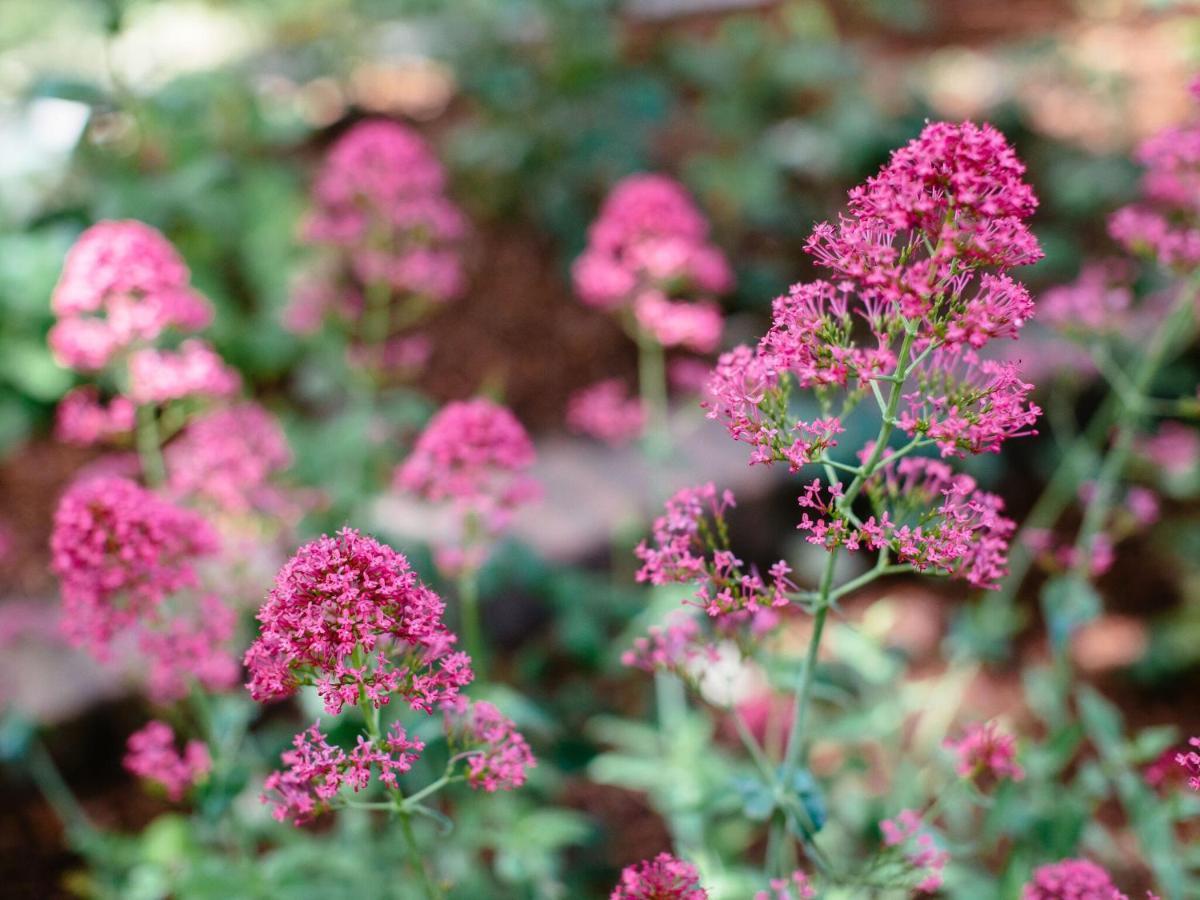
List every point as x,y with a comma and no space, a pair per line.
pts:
476,455
695,325
677,646
151,754
1143,505
661,878
986,754
688,374
1097,302
82,418
794,887
118,551
349,615
606,411
908,831
83,344
1071,879
500,756
195,369
1175,448
403,354
226,459
1190,763
191,649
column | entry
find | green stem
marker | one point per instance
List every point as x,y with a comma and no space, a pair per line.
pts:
54,788
803,696
432,891
652,385
468,601
377,322
149,446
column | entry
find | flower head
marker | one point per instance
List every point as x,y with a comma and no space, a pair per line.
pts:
606,411
195,369
82,418
909,833
499,755
118,551
349,615
1071,879
1190,763
151,754
984,753
662,878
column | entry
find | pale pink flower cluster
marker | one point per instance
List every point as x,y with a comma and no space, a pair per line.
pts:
119,551
195,369
1175,448
499,756
349,615
190,648
122,285
315,771
1099,301
1190,763
380,206
1071,879
662,878
927,515
475,455
82,418
986,754
908,831
228,459
151,754
1139,510
606,411
794,887
676,646
690,546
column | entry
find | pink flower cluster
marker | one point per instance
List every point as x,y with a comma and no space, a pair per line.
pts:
985,754
674,647
1071,879
122,284
1175,448
649,252
794,887
195,369
1099,301
151,754
690,546
227,459
379,203
119,551
1190,763
606,411
349,615
908,830
661,878
189,648
316,771
82,418
476,455
499,755
1163,224
929,517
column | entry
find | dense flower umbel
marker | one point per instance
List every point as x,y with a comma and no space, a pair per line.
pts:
1190,762
661,878
474,454
349,615
122,283
985,754
227,459
499,755
119,551
151,754
1071,879
690,546
908,832
379,201
605,410
315,771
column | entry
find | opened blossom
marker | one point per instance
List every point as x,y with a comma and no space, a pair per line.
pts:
151,754
195,369
349,615
984,753
1071,879
82,418
677,646
606,411
1190,763
119,551
498,756
908,833
795,887
190,647
662,878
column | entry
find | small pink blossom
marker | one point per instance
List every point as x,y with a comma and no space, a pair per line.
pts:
696,326
676,646
908,831
662,878
499,755
195,369
794,887
1071,879
189,649
1175,448
986,754
82,418
151,754
607,412
1190,763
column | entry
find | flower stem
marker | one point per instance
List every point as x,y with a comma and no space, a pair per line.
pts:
472,626
149,447
652,385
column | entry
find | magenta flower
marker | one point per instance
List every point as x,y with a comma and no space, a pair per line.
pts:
607,412
1099,301
661,878
122,283
195,369
908,832
677,646
82,418
349,615
694,326
118,551
985,754
189,648
1190,763
476,455
794,887
151,754
1071,879
499,755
